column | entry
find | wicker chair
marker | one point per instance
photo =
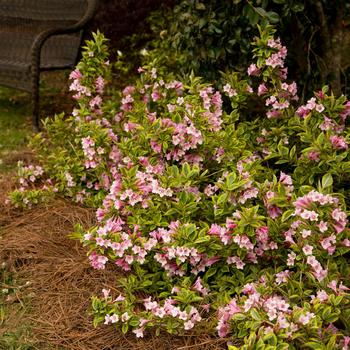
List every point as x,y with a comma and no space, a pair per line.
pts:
37,35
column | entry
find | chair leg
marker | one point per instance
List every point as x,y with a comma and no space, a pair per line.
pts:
35,101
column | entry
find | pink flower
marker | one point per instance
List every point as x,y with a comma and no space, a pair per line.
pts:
319,108
75,74
249,288
237,261
308,250
274,43
114,318
139,332
156,146
125,317
345,343
171,108
253,70
282,276
262,89
346,242
305,319
188,325
308,215
338,142
200,288
105,292
155,95
129,90
274,61
229,90
302,111
291,259
111,319
286,179
338,215
323,226
274,211
346,112
98,262
99,84
119,298
262,234
328,244
305,233
322,295
95,102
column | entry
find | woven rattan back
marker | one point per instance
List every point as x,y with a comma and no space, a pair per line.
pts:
43,10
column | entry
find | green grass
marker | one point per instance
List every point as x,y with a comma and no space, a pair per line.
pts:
15,126
16,337
15,114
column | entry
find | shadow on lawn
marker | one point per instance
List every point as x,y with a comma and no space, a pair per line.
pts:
15,115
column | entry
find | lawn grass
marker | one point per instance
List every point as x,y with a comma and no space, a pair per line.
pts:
15,115
16,334
15,126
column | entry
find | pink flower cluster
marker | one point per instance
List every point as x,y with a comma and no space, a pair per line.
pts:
212,103
225,314
97,261
276,59
338,142
186,137
125,249
311,105
29,174
169,309
276,309
76,85
172,255
310,207
225,234
88,145
305,202
273,210
229,90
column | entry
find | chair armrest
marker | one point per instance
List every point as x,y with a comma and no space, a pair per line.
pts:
43,36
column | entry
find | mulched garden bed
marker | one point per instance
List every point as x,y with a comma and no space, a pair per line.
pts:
59,282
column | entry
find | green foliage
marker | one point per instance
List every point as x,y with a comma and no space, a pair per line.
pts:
223,216
212,36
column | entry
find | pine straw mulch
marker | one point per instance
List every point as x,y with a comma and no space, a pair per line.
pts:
35,247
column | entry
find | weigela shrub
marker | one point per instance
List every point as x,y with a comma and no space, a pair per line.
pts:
226,209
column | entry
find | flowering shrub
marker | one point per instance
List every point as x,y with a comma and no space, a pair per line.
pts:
224,217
